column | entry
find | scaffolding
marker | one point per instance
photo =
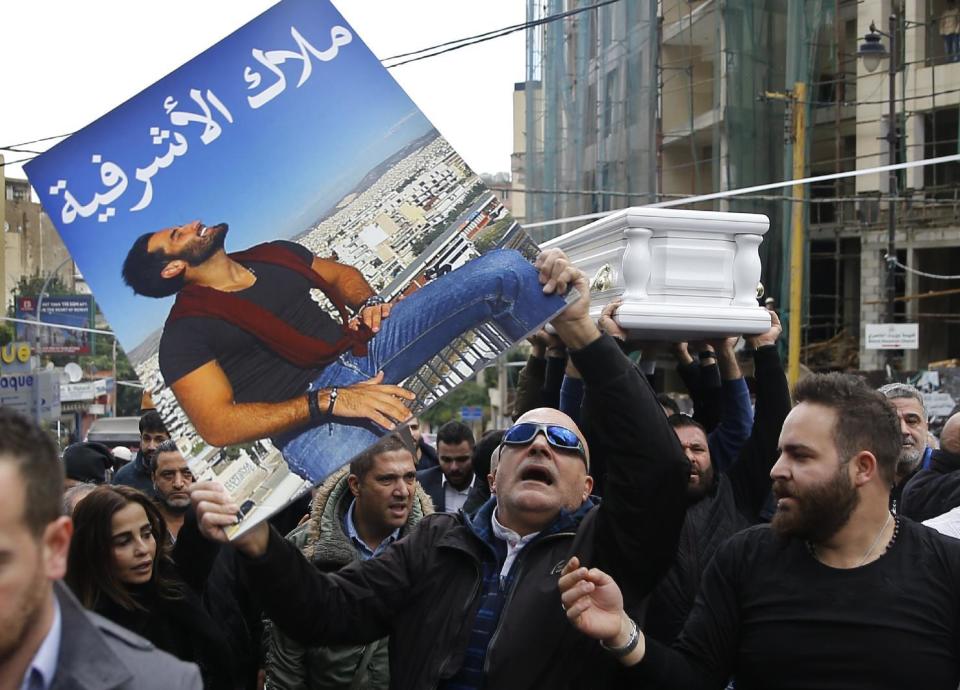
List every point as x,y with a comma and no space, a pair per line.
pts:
642,101
591,108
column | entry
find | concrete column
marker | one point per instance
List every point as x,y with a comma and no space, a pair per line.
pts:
910,358
871,290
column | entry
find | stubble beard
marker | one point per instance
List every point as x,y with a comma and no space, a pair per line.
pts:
703,487
201,251
176,508
26,617
908,461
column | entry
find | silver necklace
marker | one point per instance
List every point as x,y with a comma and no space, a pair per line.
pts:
877,540
813,549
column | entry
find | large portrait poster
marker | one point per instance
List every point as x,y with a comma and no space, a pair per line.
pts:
290,253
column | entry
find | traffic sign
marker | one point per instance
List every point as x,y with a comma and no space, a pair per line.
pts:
20,392
471,413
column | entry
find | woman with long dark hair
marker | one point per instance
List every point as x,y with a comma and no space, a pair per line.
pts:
120,567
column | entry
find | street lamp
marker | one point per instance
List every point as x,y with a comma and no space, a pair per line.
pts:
872,52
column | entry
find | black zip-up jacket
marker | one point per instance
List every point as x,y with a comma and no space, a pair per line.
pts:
424,590
733,503
933,491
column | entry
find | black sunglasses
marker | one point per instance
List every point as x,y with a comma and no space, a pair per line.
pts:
559,437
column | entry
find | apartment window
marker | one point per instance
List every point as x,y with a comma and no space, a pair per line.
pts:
940,133
936,48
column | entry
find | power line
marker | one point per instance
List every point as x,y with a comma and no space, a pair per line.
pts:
35,141
448,46
512,27
756,188
457,44
20,150
19,160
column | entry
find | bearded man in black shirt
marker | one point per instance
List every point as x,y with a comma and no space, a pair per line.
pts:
249,354
836,593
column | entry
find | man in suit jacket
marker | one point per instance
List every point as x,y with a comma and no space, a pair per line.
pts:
449,483
47,640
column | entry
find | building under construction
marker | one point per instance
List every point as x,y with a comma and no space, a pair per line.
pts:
634,101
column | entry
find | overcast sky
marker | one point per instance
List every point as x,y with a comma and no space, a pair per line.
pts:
68,62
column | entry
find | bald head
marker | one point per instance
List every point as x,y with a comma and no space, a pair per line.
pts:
536,480
950,435
549,415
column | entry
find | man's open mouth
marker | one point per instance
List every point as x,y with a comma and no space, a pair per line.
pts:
536,473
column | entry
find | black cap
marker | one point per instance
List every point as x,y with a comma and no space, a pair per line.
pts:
87,462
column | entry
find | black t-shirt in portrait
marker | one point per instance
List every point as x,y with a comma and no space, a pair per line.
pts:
255,372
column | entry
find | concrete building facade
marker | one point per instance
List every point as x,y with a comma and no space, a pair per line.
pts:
726,76
31,244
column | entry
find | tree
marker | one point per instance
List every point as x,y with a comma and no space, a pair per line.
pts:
492,236
30,286
469,393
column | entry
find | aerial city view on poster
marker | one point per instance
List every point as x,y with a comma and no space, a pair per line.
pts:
290,253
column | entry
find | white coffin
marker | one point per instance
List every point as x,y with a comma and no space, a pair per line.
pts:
683,275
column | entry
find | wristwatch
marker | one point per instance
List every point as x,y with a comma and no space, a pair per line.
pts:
620,652
371,301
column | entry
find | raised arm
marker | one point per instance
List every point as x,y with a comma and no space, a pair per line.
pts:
750,475
644,502
529,383
736,417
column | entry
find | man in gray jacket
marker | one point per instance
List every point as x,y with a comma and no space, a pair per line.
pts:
47,640
357,513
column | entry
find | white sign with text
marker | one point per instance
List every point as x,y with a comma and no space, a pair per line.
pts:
893,336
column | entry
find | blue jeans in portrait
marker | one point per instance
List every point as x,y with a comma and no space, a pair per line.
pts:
500,287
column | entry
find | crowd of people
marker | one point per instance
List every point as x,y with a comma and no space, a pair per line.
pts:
727,535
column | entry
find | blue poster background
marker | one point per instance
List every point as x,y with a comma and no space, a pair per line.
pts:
269,171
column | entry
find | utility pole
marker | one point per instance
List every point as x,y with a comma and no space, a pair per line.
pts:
893,141
797,234
796,101
872,51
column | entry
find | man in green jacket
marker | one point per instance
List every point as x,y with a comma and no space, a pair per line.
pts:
357,513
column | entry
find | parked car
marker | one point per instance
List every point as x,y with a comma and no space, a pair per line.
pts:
116,431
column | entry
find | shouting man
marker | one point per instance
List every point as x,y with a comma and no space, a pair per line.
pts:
249,354
471,600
